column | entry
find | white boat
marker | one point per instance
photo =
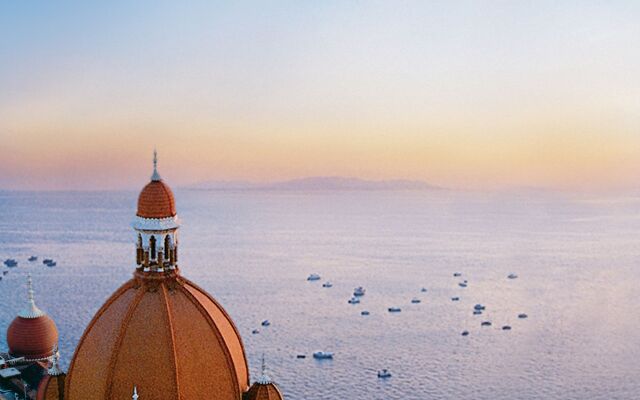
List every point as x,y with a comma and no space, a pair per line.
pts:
313,277
266,322
512,276
354,300
384,373
327,284
359,291
323,355
394,309
415,300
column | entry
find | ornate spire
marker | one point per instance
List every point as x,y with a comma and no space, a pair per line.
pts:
55,368
264,379
135,393
31,311
156,175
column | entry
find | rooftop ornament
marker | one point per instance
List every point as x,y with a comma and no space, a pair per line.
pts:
31,311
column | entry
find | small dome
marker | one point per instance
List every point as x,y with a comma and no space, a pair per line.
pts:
32,334
264,391
32,338
156,201
51,387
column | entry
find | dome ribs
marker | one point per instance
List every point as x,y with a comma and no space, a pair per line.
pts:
119,338
218,334
231,323
116,296
173,336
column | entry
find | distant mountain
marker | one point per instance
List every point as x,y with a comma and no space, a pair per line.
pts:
318,183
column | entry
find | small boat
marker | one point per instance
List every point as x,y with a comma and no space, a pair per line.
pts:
301,356
5,272
47,261
477,312
10,262
462,284
455,299
506,328
313,277
323,355
384,373
365,312
266,322
33,258
423,290
465,333
457,274
359,291
415,300
327,284
52,264
522,316
479,307
394,309
255,331
354,300
485,323
512,276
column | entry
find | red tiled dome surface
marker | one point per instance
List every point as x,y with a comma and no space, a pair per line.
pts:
51,388
164,335
156,201
267,391
32,338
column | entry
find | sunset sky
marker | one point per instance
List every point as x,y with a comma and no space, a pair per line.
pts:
466,94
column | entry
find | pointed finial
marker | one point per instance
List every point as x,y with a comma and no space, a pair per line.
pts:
55,367
135,393
31,311
264,379
156,175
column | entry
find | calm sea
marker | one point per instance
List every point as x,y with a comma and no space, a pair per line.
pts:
576,257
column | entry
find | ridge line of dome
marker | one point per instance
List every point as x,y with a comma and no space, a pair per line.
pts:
228,317
120,337
172,336
126,286
218,335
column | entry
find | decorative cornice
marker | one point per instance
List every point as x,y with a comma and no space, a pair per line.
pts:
155,224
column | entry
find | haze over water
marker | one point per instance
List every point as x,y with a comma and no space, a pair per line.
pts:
576,257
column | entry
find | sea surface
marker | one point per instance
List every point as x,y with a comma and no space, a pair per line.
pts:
576,258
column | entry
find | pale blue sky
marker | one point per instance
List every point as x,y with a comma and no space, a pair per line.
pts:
452,92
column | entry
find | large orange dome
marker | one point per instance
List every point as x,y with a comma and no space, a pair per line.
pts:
166,336
32,338
156,201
